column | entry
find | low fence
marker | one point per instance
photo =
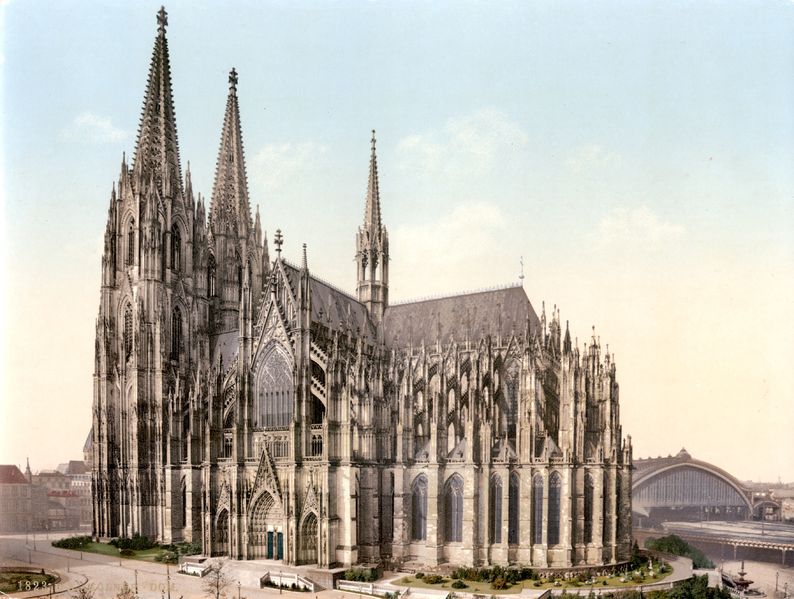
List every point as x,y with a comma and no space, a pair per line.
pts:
366,588
286,580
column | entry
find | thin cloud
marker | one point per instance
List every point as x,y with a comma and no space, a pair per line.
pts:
592,156
640,226
472,143
93,128
277,166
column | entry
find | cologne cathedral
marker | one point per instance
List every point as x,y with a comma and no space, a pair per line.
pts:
242,402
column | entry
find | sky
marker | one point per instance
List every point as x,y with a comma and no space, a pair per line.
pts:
638,156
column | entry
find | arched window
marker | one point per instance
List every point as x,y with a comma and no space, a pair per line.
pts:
619,522
537,509
275,386
513,502
184,504
555,487
453,509
496,508
511,392
176,248
127,331
419,508
211,269
239,277
131,244
176,332
588,508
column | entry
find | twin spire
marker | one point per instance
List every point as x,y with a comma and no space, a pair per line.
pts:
230,192
157,149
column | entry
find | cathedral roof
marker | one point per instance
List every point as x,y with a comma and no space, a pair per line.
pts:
226,346
495,312
333,307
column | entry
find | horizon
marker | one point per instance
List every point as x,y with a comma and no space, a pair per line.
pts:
638,160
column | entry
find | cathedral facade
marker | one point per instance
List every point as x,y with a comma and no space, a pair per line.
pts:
242,402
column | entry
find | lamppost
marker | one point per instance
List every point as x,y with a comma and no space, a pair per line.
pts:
238,589
136,583
168,580
280,582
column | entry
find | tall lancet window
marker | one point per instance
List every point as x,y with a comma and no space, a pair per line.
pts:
211,270
513,502
496,508
453,509
555,488
176,332
419,508
275,391
176,248
239,277
127,331
131,244
537,509
589,489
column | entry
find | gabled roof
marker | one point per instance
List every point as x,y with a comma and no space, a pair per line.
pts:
465,316
333,307
11,475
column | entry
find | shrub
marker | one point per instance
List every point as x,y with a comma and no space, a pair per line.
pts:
499,583
419,575
459,584
76,542
434,579
126,552
361,574
677,546
167,557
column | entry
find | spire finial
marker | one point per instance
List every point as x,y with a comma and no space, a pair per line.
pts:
373,140
233,79
162,20
304,262
278,240
521,276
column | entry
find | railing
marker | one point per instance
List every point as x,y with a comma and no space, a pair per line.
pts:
367,588
277,443
286,579
316,442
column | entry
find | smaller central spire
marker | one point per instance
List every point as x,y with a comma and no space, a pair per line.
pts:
372,218
162,20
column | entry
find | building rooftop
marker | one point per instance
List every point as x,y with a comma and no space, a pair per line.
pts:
11,475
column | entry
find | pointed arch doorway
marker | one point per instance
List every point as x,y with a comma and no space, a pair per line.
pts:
267,529
308,542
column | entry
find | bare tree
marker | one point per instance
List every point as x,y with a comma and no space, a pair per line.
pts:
87,591
215,580
126,592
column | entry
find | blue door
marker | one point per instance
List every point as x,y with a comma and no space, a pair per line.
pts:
270,544
280,546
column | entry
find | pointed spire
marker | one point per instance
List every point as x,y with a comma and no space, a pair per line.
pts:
372,218
304,262
157,148
230,191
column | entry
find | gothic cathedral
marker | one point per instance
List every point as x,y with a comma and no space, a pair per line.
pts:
244,403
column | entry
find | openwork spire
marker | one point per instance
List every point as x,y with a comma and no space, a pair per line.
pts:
372,209
157,148
230,191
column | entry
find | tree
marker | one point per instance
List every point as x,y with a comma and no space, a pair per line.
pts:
87,591
215,580
126,592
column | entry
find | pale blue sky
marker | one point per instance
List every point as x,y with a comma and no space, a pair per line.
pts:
639,155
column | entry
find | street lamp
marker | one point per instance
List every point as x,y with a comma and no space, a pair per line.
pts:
238,589
280,582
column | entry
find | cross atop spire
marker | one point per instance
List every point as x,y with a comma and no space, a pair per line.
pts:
372,218
162,20
278,241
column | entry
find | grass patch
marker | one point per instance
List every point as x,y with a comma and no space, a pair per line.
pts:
12,582
485,587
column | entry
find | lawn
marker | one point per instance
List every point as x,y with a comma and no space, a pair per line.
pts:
147,555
